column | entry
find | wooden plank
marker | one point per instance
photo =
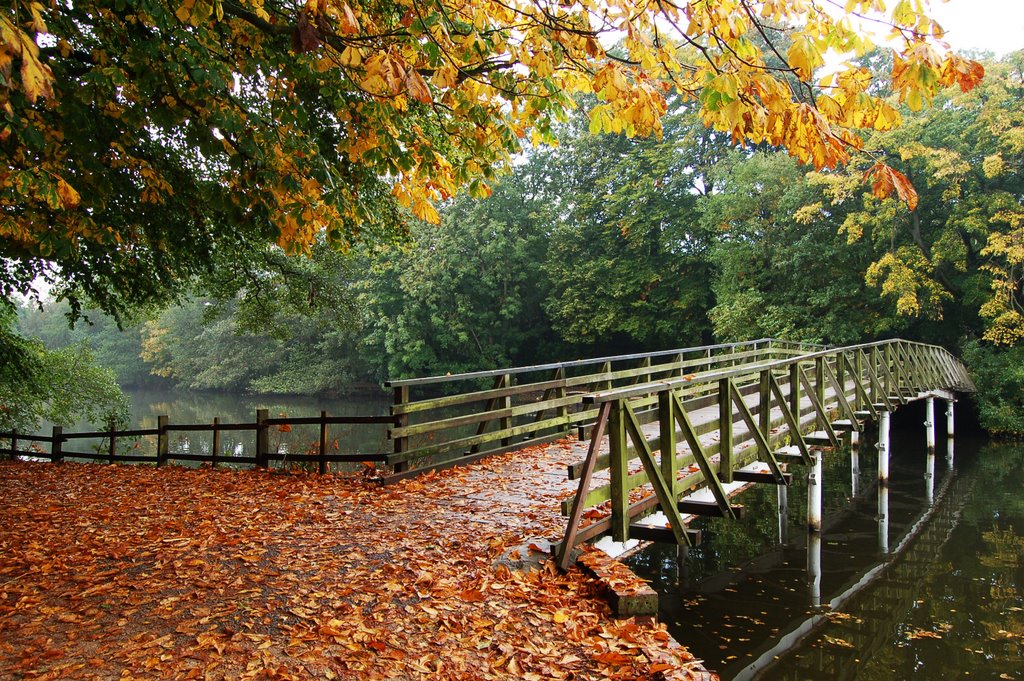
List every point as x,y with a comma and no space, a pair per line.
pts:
564,555
663,535
709,509
560,422
767,477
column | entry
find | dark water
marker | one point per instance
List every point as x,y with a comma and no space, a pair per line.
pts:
937,594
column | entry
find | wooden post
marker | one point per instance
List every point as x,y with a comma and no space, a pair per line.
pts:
262,439
725,429
873,364
559,392
667,427
819,387
505,402
323,442
794,389
216,441
57,444
619,468
764,399
841,371
858,376
14,444
113,443
161,440
401,397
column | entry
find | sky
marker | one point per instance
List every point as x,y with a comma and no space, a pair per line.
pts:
993,25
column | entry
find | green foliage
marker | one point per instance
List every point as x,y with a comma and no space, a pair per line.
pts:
999,375
627,258
464,295
783,270
61,386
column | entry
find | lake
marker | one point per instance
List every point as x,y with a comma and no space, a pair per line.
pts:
923,581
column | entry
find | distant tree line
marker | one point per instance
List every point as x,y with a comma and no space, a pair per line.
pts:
606,244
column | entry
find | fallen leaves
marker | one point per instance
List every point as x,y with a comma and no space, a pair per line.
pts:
212,574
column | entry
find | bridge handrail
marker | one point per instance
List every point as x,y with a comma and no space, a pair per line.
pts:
753,410
709,377
491,373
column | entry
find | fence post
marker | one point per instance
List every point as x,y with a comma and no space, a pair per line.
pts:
216,441
161,440
505,402
57,444
667,429
323,442
113,444
819,387
619,470
725,429
794,389
14,444
262,439
764,405
401,398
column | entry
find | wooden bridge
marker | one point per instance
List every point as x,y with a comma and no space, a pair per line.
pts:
678,433
670,434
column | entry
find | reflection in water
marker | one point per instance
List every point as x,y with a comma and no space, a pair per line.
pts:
945,602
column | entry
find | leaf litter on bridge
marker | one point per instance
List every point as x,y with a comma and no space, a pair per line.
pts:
136,572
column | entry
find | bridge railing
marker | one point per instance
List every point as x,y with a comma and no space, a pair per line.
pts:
443,421
726,418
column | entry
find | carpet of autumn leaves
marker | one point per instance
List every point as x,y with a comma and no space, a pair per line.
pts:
136,572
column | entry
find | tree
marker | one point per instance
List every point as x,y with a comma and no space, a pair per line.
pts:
61,386
141,141
464,295
952,260
628,259
779,274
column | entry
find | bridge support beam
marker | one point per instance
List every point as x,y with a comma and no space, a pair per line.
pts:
883,448
929,478
855,471
883,519
929,423
814,568
814,484
949,433
783,505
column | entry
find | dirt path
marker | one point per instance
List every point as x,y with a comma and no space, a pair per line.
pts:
135,572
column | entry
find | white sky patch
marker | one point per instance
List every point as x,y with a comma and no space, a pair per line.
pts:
991,25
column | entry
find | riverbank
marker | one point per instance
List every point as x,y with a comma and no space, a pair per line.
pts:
173,573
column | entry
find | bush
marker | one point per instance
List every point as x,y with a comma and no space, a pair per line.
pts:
999,375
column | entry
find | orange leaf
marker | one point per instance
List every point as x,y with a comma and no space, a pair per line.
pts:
472,596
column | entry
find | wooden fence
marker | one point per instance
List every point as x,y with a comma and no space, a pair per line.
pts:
484,413
115,451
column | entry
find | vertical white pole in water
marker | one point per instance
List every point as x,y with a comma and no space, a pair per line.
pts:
929,478
883,519
883,449
783,496
814,568
814,494
854,462
929,423
949,433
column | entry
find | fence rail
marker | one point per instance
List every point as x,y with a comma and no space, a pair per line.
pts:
110,453
491,412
